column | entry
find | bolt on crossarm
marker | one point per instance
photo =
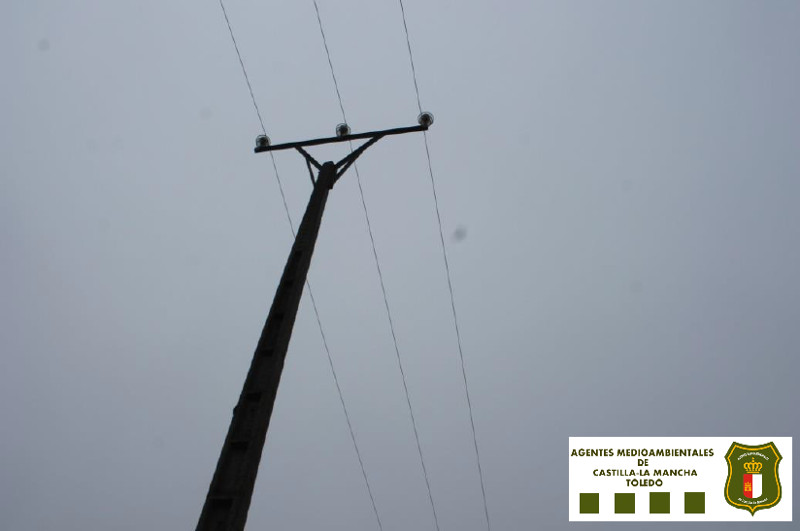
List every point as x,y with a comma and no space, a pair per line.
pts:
228,500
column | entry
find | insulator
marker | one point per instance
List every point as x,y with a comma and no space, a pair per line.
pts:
342,130
262,141
425,119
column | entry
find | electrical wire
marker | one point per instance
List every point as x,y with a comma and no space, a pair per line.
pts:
308,284
380,278
258,112
447,271
330,63
411,56
244,70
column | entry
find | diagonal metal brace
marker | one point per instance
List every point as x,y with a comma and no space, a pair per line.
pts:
309,161
346,162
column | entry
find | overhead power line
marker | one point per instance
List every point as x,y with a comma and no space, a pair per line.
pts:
411,56
380,278
258,112
244,70
308,284
447,271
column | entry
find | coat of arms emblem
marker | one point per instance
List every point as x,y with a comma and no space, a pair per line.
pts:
753,482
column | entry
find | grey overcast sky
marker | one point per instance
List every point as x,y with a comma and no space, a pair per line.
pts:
618,183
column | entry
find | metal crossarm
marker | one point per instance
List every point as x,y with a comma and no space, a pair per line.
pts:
343,138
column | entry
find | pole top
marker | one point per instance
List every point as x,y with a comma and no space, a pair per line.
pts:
343,134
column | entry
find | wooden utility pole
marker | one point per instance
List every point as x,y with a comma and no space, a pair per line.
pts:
231,489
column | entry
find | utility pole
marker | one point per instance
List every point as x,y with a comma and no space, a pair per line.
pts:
231,489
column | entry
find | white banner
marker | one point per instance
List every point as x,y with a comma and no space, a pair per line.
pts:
680,479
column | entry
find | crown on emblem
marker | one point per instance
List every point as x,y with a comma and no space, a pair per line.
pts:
752,467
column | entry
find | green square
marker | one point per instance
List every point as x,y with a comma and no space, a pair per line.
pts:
694,502
624,503
659,503
590,502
